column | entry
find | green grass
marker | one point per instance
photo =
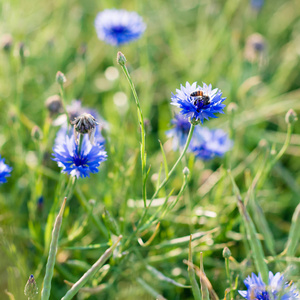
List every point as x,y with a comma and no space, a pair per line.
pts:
185,41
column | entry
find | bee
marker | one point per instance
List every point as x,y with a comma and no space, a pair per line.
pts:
200,98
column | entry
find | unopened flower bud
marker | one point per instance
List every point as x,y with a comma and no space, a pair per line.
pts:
60,78
226,252
121,59
291,117
110,222
83,124
54,105
6,42
232,107
36,133
31,289
186,171
194,121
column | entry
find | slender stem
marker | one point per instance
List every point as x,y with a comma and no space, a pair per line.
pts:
52,254
143,134
175,165
63,100
91,272
162,184
229,277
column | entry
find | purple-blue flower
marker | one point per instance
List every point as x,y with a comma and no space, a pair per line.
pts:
78,160
179,132
277,287
208,143
4,170
119,26
193,107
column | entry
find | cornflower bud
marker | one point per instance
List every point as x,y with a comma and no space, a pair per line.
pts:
226,252
121,59
83,124
36,133
186,171
31,289
291,117
60,78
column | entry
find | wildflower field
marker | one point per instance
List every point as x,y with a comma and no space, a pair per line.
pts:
149,149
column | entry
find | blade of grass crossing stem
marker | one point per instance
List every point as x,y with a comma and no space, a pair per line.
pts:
92,271
150,289
255,244
164,158
52,254
294,234
191,271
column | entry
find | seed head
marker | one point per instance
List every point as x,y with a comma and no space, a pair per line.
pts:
121,59
60,78
54,105
31,289
83,124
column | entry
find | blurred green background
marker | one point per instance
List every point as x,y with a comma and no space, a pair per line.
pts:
185,40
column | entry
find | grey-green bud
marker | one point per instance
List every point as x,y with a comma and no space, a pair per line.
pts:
60,78
186,171
226,252
121,59
31,290
291,117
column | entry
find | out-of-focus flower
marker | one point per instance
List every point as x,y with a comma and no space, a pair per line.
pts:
60,77
54,105
257,4
257,289
179,132
198,108
4,170
77,160
208,143
255,49
6,42
119,26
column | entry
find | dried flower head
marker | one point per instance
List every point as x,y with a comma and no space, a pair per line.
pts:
119,26
83,124
54,105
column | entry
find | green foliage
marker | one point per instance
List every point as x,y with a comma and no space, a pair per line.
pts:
184,41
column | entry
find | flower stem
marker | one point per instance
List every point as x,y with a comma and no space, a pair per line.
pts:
52,254
143,134
63,100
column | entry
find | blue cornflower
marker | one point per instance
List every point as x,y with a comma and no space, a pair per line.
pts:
257,289
257,4
4,170
193,107
179,132
208,143
119,26
78,160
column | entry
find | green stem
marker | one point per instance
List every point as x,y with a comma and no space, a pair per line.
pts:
52,254
63,100
143,134
229,277
91,272
163,183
